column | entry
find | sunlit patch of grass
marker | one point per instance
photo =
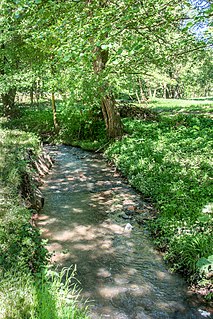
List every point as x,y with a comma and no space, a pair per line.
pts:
202,106
16,297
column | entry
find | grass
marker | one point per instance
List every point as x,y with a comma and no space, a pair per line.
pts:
170,160
28,290
58,297
199,106
49,295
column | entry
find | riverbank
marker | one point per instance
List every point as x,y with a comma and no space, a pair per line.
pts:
28,289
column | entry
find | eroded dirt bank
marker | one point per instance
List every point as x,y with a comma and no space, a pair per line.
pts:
86,218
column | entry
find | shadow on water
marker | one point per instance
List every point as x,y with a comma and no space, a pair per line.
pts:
119,270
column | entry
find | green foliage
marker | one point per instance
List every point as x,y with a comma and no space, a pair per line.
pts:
36,120
177,150
21,246
78,123
55,44
186,249
169,160
57,296
205,265
16,296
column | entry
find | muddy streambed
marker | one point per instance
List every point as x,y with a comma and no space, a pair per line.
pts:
86,218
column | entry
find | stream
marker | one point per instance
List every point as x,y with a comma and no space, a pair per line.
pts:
88,219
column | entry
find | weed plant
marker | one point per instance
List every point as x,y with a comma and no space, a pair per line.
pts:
80,124
48,295
170,160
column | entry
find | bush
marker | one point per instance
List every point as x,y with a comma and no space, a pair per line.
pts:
78,123
35,120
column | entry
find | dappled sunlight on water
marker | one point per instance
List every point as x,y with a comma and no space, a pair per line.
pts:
119,270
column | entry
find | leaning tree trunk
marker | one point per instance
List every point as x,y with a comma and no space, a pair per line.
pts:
111,115
8,101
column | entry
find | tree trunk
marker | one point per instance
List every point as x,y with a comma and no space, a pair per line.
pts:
143,96
8,100
164,91
111,116
55,122
31,96
37,92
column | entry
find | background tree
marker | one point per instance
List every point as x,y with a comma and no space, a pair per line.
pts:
102,43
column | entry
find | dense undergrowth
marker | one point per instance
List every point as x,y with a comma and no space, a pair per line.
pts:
78,126
167,158
27,290
170,160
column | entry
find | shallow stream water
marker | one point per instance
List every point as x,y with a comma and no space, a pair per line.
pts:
87,221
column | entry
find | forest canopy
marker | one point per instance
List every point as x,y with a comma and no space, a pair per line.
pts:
98,51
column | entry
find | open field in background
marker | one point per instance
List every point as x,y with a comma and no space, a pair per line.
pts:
199,106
